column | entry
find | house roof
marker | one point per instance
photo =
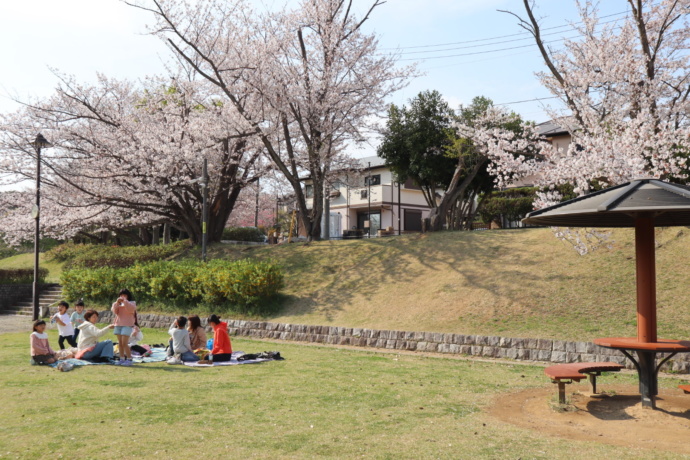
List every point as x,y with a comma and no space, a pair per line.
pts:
374,160
549,129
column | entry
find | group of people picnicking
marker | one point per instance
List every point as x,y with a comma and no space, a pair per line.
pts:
188,342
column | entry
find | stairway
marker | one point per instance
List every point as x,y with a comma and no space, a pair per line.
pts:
50,295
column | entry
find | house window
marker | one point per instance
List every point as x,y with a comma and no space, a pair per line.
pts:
309,191
373,180
410,184
363,194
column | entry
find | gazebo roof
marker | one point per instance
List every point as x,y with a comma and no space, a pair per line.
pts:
618,206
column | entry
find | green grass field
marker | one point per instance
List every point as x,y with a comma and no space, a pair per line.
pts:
321,402
26,260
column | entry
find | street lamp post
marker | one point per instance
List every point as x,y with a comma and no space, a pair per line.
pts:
39,143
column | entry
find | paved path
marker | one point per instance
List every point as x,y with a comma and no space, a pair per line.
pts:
15,323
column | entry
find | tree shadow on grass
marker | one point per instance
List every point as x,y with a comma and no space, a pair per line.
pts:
376,262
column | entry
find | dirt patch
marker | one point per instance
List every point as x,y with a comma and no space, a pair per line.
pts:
15,323
616,417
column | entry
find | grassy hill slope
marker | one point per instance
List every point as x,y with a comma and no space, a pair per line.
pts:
510,283
518,283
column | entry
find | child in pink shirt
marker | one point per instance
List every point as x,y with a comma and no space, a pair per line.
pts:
41,352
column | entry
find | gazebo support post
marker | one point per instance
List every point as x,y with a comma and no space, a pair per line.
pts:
648,378
646,278
646,307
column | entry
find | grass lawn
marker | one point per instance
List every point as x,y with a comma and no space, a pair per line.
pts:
27,261
321,402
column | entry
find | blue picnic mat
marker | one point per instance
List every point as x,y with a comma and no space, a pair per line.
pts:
157,355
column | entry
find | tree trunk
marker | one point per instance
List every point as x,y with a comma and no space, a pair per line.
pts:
455,191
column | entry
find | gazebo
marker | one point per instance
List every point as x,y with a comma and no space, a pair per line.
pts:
642,204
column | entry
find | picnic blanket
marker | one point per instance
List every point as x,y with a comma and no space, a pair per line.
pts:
157,355
233,361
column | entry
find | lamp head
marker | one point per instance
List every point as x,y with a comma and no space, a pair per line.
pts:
41,142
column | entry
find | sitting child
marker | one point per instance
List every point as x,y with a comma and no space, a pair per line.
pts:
181,346
135,339
41,352
197,334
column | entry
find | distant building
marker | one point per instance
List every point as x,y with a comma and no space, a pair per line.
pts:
369,202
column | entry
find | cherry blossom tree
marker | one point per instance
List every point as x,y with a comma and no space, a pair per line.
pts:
127,155
624,87
305,79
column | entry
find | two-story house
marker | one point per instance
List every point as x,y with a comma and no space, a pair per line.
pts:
371,199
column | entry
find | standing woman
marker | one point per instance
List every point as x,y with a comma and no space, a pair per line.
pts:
124,309
222,348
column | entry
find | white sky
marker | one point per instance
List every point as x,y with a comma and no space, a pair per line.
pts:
83,37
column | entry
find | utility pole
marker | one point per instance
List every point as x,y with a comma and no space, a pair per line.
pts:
204,210
369,199
256,210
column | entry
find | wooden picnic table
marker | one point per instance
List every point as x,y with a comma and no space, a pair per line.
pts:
646,365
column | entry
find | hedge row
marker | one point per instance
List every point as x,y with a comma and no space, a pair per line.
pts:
22,276
97,256
244,234
243,286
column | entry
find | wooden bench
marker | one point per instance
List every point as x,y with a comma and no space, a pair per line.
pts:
563,374
685,388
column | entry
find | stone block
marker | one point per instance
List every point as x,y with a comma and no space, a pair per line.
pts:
558,356
558,345
490,352
543,355
544,344
494,341
505,342
573,357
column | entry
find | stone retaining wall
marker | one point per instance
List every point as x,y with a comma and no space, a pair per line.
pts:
10,294
546,350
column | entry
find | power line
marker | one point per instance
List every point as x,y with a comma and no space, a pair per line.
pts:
494,38
528,100
491,44
426,58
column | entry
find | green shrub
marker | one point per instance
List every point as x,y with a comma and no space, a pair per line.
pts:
97,256
67,251
22,275
243,286
251,234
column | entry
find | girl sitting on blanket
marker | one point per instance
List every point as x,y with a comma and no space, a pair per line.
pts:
135,339
197,334
88,345
222,348
181,346
41,353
